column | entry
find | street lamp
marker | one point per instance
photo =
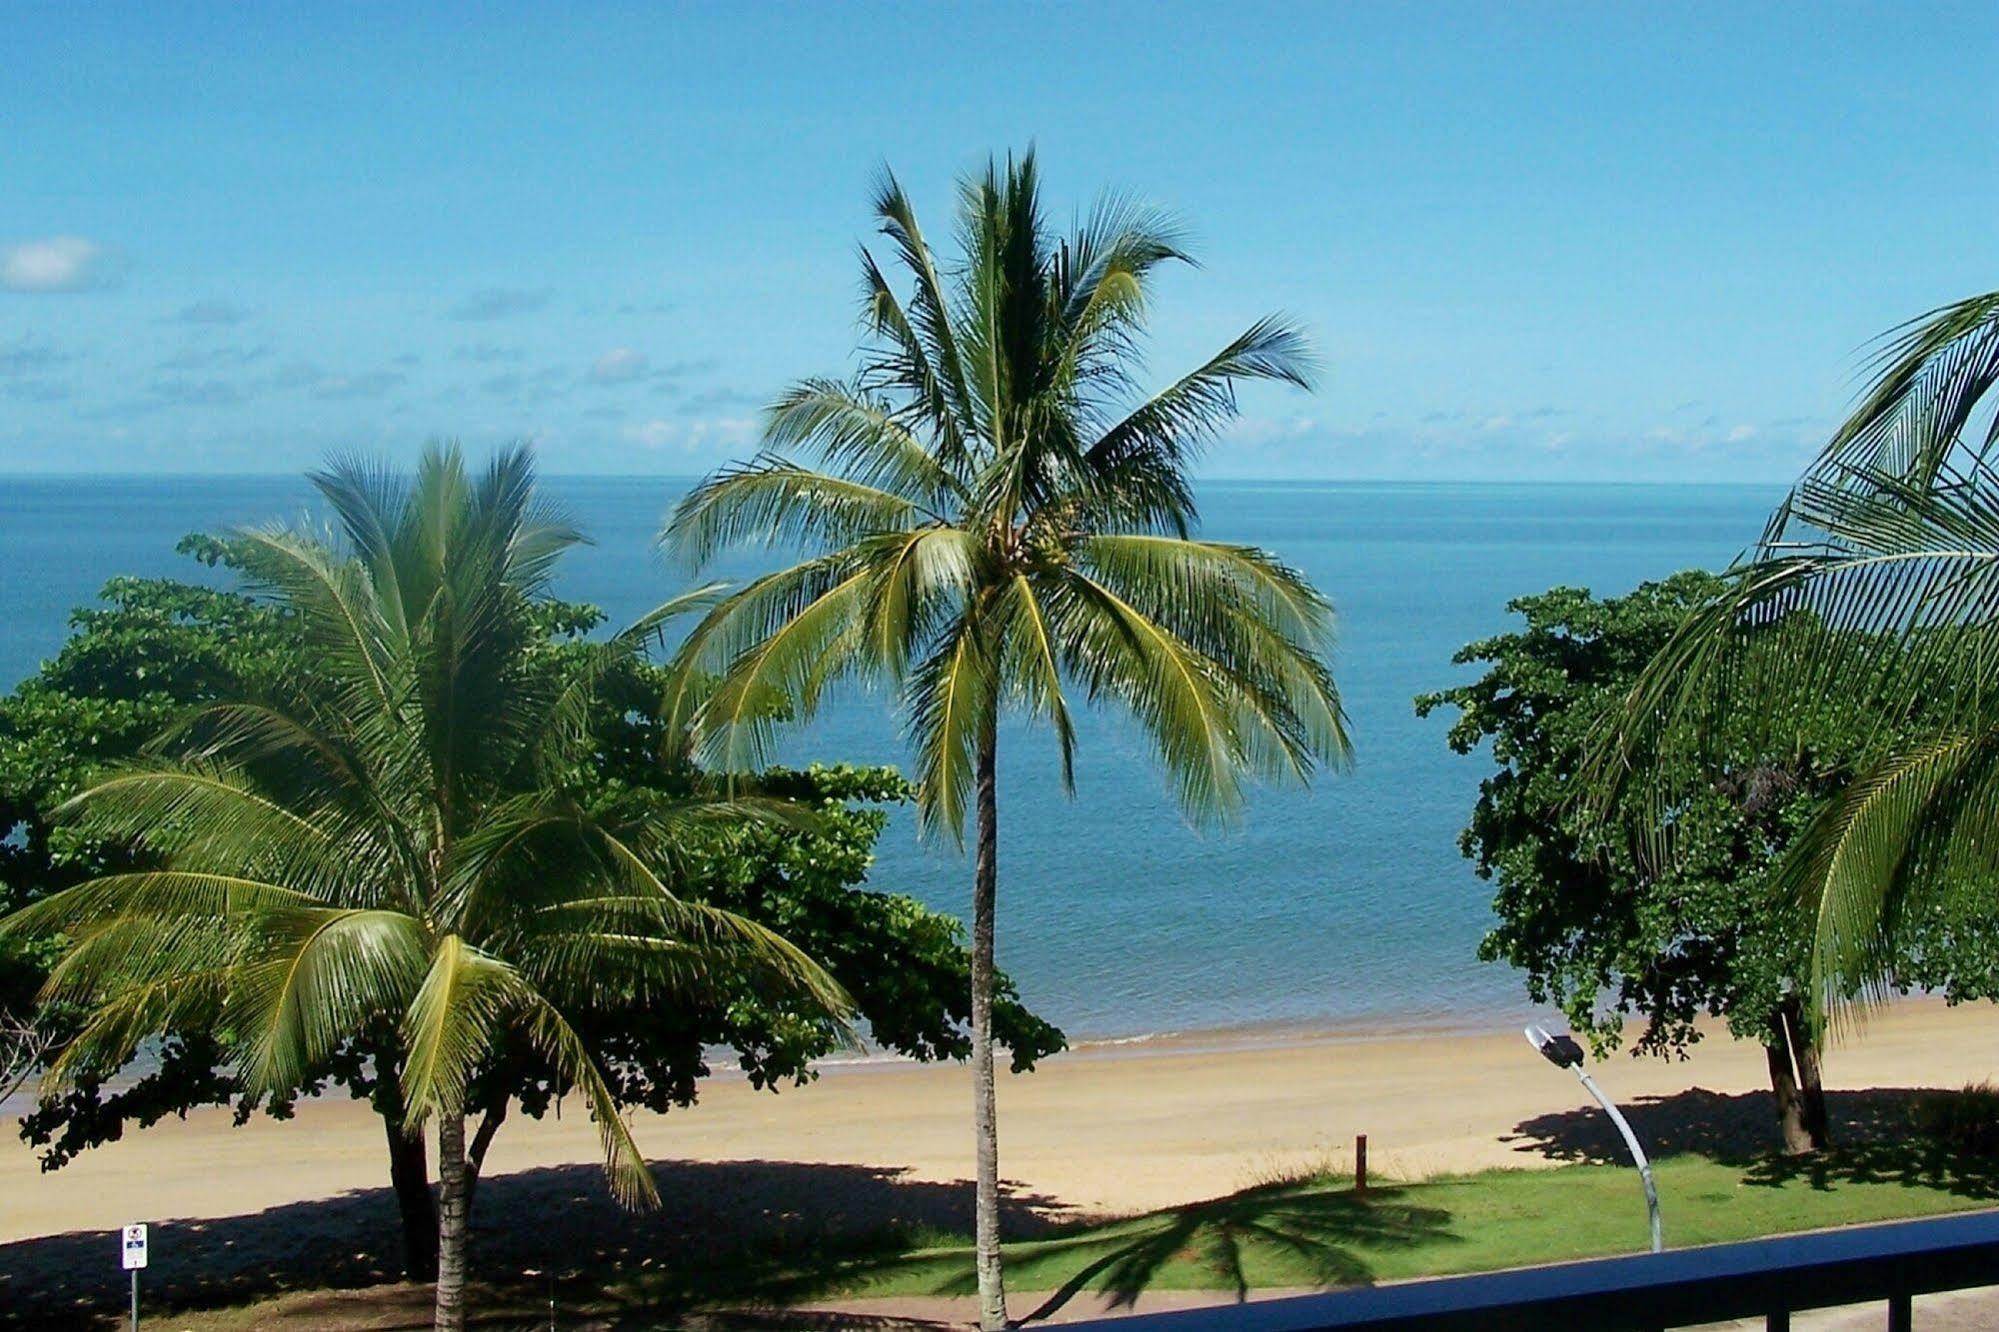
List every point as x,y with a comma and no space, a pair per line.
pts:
1563,1052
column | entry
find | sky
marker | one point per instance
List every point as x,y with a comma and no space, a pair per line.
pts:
1575,242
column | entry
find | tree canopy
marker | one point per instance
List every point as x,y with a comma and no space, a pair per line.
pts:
153,649
1596,931
993,515
1874,595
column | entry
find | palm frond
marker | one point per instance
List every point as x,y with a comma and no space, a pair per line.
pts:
1908,831
930,318
461,1011
1138,465
1932,377
556,1041
856,434
1170,688
813,633
1030,665
951,699
318,977
773,501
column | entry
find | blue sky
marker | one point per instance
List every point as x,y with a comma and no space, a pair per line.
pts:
1566,242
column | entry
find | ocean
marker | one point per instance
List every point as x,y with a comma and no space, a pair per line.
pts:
1343,907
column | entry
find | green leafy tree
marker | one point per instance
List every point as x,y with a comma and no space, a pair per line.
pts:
386,849
997,518
1597,931
157,649
133,665
1876,594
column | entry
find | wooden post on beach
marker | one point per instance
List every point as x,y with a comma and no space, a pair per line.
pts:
1360,1163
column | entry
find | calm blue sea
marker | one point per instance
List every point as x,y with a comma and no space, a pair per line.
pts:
1346,905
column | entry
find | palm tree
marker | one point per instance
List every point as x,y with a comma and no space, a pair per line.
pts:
998,518
387,855
1876,588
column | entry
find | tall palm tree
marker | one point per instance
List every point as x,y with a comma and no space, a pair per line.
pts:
1876,588
388,853
998,518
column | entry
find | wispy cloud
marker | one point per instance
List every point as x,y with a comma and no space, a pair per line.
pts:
34,390
620,365
369,384
720,400
55,263
180,392
626,365
297,374
29,356
485,353
213,313
500,303
203,357
532,387
691,436
24,370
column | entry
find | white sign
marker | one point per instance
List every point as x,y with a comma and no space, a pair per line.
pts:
134,1247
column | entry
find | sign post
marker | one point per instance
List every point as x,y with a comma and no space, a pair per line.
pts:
133,1248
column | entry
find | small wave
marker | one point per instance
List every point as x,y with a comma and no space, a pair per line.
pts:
1104,1042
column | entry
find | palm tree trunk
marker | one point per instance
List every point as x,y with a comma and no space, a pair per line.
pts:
985,1122
454,1205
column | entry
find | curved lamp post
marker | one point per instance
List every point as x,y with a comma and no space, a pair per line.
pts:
1563,1052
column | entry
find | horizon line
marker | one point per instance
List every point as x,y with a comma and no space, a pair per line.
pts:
300,474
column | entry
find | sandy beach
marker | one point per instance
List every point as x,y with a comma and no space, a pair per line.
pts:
1105,1128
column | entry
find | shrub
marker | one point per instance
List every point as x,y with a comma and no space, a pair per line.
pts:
1967,1120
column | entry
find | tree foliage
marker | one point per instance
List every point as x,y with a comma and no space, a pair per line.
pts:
1598,931
153,650
994,516
1875,595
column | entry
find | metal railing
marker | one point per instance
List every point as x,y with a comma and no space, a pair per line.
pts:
1768,1278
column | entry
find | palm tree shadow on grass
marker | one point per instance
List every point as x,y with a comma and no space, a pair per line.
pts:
1311,1234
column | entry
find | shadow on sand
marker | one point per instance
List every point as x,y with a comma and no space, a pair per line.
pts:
770,1217
1873,1136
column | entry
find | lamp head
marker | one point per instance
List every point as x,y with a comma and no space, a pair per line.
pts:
1560,1050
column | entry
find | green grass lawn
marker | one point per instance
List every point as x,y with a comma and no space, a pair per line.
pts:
1318,1232
1305,1233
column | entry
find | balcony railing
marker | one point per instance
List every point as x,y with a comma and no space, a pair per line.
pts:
1768,1278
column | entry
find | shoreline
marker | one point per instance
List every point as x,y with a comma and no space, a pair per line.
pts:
1097,1130
1221,1039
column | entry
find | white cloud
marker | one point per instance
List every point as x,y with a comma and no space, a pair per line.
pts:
1741,433
1262,430
620,365
57,263
692,436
